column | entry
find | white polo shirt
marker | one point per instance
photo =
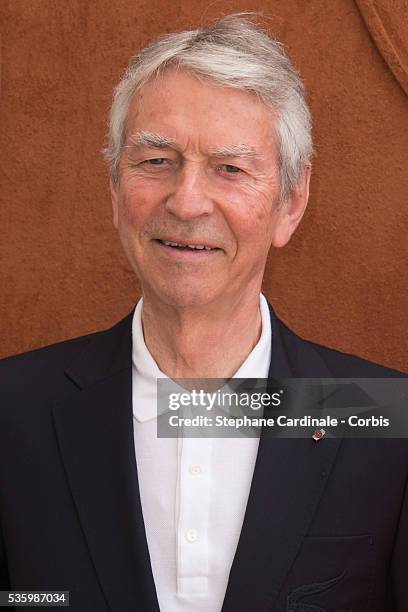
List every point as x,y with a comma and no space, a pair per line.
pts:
193,491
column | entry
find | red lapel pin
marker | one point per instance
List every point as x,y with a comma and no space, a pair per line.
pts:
318,434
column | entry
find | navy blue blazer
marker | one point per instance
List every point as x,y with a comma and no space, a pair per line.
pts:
325,528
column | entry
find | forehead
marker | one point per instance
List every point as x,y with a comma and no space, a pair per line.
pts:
179,105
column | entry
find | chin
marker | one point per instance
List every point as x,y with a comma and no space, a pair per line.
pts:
179,295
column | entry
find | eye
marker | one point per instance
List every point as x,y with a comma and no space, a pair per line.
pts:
230,169
158,161
156,165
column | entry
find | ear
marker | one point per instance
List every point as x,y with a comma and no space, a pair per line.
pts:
115,201
291,211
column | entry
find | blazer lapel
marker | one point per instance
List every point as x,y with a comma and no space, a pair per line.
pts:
94,426
288,481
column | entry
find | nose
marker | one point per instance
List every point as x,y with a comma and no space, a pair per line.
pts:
190,197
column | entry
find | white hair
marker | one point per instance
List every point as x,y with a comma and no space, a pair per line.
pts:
234,52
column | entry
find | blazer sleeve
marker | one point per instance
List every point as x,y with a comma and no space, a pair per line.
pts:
4,577
398,579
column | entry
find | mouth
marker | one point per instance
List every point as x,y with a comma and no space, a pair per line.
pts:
196,248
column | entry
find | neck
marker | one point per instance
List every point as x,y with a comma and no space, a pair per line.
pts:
190,343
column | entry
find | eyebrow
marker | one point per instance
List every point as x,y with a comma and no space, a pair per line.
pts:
150,139
158,141
240,150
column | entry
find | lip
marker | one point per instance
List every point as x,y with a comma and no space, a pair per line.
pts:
183,242
185,254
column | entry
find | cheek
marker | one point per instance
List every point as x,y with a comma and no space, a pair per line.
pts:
137,202
252,233
251,217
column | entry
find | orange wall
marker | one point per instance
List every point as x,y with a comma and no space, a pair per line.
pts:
343,279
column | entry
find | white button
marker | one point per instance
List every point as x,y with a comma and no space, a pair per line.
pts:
194,468
192,535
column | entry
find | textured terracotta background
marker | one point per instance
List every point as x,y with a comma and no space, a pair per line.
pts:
343,279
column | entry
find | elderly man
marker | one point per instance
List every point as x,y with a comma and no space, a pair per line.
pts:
209,154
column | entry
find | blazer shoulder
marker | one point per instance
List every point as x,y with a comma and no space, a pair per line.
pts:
338,363
47,363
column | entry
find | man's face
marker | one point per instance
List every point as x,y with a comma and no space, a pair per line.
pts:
199,168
